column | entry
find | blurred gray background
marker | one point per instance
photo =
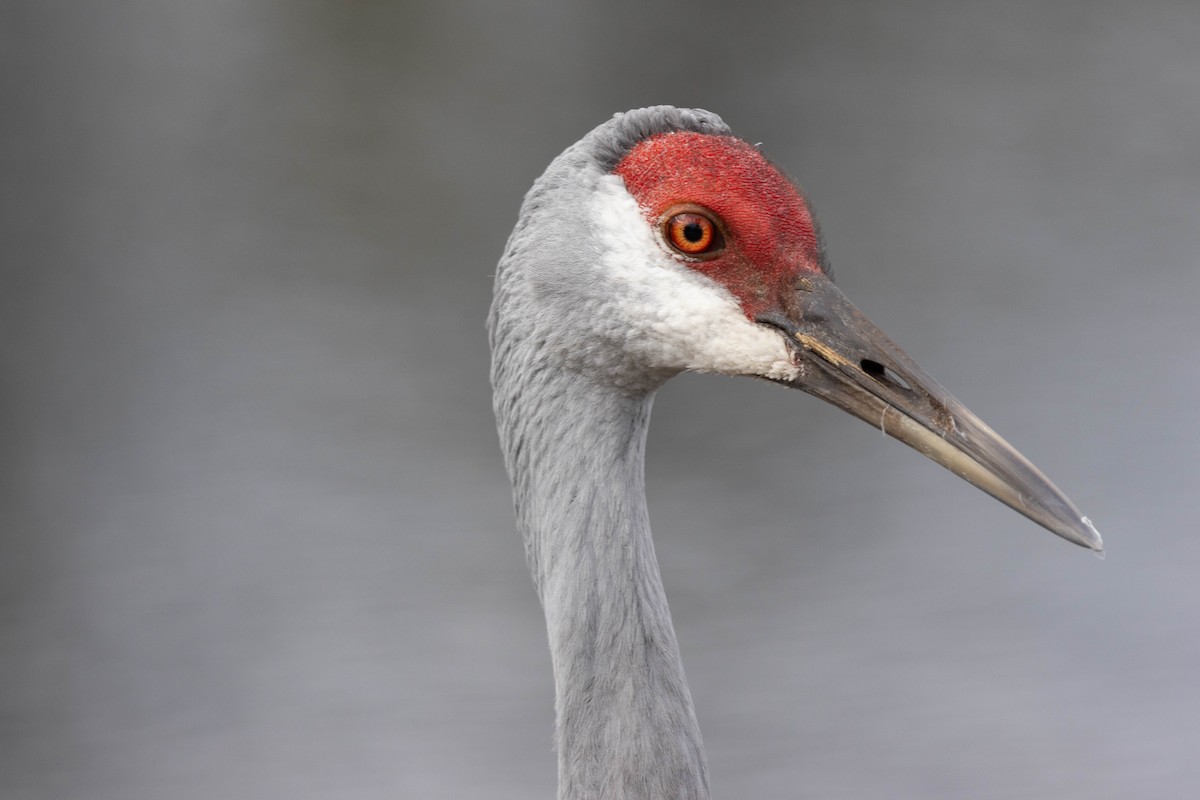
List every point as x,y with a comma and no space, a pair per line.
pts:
255,534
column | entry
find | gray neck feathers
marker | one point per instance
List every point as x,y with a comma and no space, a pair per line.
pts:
625,723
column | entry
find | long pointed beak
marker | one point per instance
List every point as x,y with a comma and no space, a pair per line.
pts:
847,361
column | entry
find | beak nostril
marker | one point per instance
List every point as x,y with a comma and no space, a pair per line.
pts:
873,368
883,374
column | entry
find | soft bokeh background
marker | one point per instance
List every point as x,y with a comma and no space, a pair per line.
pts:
255,534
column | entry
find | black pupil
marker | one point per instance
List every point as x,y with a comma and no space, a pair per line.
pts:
693,232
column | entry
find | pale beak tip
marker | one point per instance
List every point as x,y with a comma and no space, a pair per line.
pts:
1093,540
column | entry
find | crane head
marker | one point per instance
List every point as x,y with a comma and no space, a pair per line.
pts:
662,243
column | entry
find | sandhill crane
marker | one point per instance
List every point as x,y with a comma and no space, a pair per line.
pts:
660,244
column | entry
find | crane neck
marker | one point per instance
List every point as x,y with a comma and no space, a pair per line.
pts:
625,726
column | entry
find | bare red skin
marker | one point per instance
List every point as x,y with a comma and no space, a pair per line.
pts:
770,236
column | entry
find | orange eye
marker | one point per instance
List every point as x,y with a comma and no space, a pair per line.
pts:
693,234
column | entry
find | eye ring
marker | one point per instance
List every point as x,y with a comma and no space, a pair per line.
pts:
692,231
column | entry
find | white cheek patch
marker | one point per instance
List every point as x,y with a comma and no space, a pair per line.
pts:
676,317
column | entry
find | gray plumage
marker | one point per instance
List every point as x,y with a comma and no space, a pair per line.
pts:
572,411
